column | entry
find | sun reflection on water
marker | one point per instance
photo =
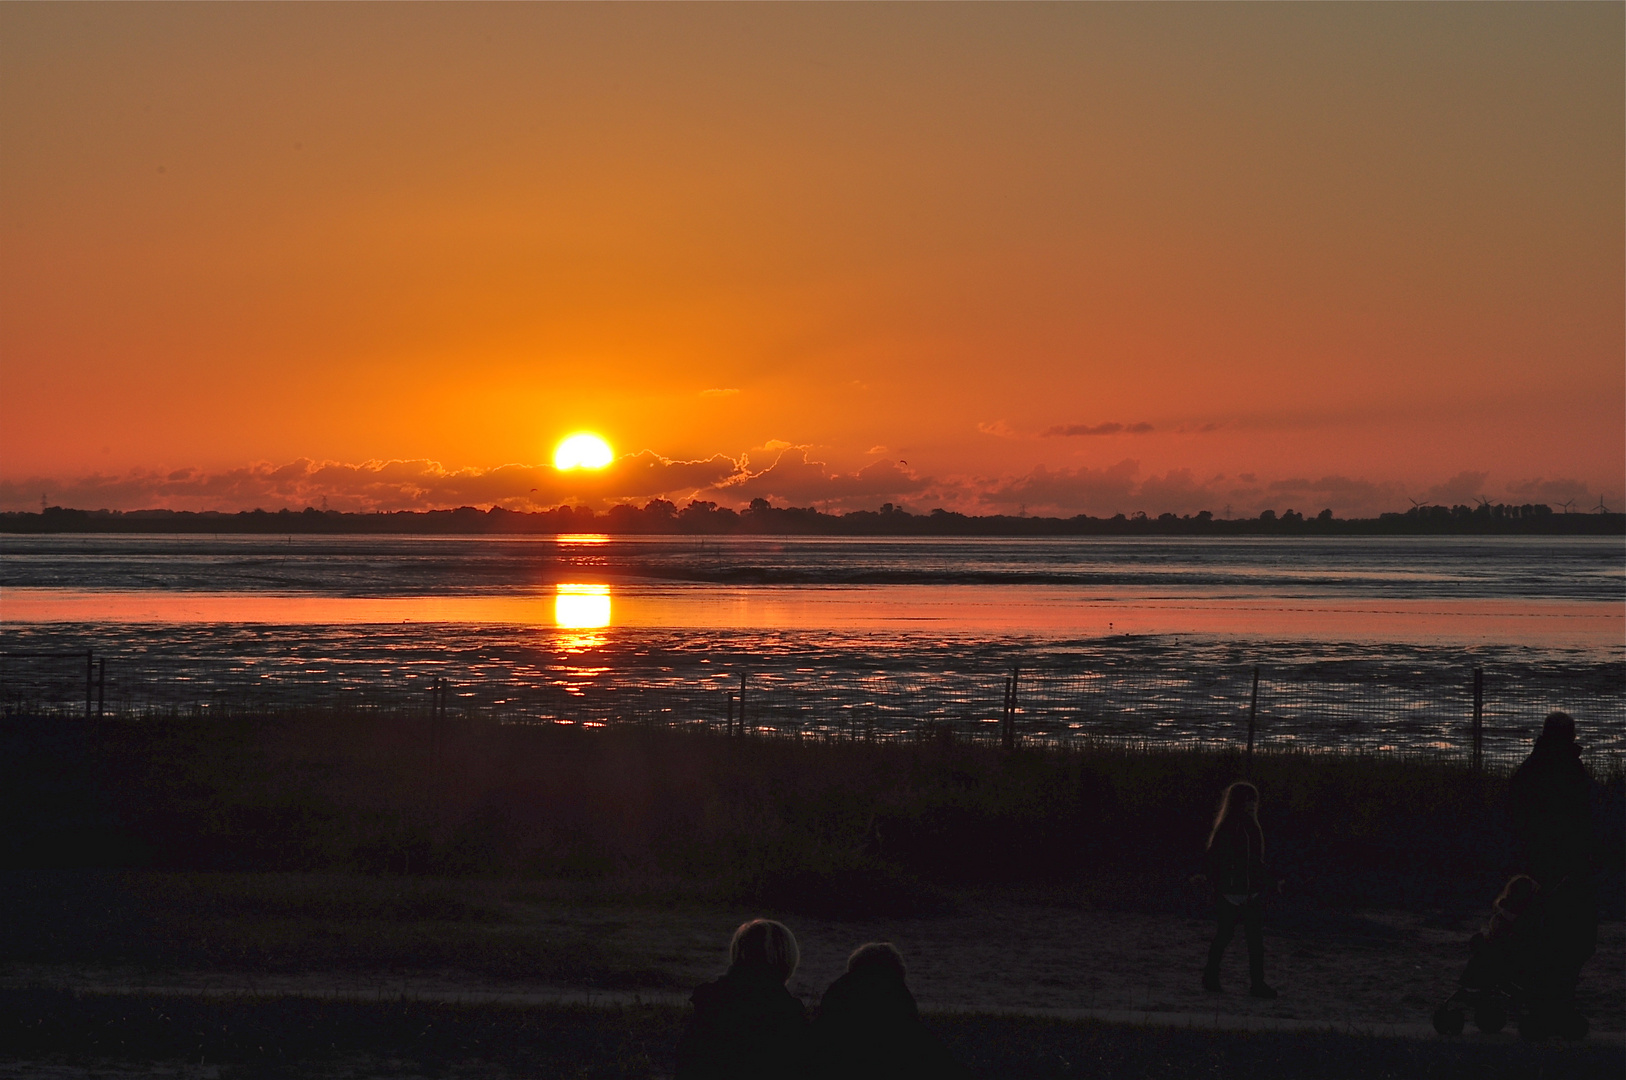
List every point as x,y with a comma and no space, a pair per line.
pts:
583,609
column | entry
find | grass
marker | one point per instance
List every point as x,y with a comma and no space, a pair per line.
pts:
315,842
266,1037
273,924
841,829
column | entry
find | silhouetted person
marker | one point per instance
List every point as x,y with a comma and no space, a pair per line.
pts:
1507,950
868,1027
746,1025
1549,798
1235,868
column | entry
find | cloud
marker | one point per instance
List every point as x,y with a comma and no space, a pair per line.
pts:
1108,490
1344,496
999,429
798,481
1462,489
1559,491
777,471
375,485
1176,492
1555,492
1120,489
1098,429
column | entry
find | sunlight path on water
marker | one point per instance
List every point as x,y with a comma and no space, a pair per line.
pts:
1036,610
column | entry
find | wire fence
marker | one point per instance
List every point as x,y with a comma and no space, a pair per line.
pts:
1483,718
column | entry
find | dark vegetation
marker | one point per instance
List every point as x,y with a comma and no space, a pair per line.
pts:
267,1038
823,828
761,518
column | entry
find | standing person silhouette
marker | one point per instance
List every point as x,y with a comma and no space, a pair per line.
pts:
746,1024
1235,867
1549,799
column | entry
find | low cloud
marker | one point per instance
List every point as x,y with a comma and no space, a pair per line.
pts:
1108,490
1121,489
779,472
375,485
1564,493
1461,490
1097,429
796,480
1343,495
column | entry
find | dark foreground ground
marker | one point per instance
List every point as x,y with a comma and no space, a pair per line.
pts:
62,1034
323,850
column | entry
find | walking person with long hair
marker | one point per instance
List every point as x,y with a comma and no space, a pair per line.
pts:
1236,871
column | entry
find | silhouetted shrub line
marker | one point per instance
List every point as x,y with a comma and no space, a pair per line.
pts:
828,828
659,516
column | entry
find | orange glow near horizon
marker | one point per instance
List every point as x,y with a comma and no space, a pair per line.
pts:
994,258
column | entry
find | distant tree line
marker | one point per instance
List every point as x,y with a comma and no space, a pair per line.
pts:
660,516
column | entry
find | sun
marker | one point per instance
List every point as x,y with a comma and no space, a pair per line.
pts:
583,450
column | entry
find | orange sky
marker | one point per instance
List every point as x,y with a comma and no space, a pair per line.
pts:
1273,255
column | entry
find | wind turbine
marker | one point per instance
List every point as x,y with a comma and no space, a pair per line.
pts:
1600,508
1568,505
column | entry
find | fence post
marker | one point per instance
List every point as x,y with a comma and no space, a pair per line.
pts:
1008,727
101,686
742,704
1253,713
1479,720
432,785
1005,714
438,716
90,670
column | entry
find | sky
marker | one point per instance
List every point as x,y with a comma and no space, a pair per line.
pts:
995,258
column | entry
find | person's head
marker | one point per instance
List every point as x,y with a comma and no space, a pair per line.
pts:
1516,894
876,956
1240,801
1559,727
767,943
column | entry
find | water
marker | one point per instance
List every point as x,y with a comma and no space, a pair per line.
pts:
1361,642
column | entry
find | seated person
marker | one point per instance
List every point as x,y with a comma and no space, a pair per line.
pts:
746,1024
868,1024
1502,953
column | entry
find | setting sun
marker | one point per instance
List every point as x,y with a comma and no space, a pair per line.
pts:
582,451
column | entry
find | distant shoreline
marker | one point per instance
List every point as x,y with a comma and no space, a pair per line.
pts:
659,517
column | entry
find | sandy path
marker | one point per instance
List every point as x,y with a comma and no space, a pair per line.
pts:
1001,952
